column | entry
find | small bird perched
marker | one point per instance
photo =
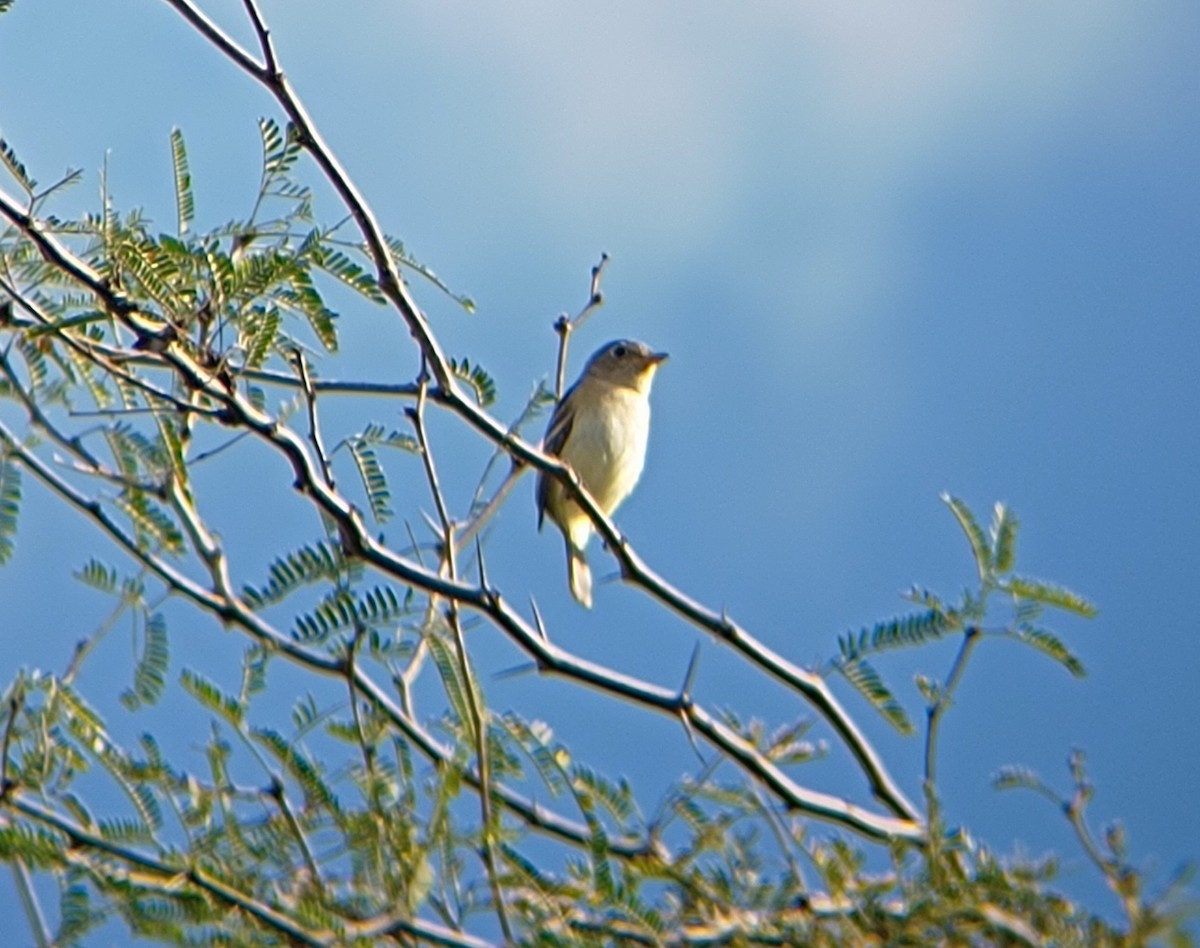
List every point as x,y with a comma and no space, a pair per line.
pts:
600,428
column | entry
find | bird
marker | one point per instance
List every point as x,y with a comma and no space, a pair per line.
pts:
600,428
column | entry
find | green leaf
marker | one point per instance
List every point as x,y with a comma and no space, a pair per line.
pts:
617,799
481,383
447,665
373,479
1004,538
868,683
1014,777
212,697
930,690
185,203
402,259
124,830
10,504
339,610
150,521
375,433
303,770
309,564
342,268
150,673
537,740
36,847
900,632
74,907
258,331
1049,594
302,297
280,150
1048,643
980,548
10,160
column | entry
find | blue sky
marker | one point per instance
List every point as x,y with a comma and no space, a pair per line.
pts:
892,251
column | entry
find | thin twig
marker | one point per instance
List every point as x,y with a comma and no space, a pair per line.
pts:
564,325
945,697
314,425
471,691
935,711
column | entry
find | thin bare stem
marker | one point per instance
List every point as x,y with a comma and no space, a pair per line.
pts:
564,326
314,425
935,711
478,716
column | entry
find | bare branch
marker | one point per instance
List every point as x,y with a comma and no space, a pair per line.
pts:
564,326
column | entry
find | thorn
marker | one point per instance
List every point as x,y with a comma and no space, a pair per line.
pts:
483,580
685,693
691,735
523,669
537,619
433,525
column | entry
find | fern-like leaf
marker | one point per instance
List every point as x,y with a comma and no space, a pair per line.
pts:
900,632
1015,777
302,769
376,434
10,505
1050,644
124,830
342,268
481,383
1004,538
212,697
150,521
333,613
303,298
447,665
14,165
150,674
156,272
373,479
310,564
1049,594
185,202
36,847
76,913
401,257
980,548
280,149
868,683
258,331
617,799
537,740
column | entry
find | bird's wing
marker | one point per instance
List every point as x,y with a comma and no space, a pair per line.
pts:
556,437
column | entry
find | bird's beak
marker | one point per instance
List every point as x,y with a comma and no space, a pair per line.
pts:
657,358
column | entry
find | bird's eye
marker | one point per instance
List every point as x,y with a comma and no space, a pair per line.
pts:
620,352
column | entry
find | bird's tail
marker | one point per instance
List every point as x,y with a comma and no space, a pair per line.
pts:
579,574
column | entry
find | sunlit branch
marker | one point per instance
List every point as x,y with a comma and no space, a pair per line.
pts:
358,541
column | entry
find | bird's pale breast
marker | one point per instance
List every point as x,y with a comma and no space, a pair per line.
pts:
607,447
